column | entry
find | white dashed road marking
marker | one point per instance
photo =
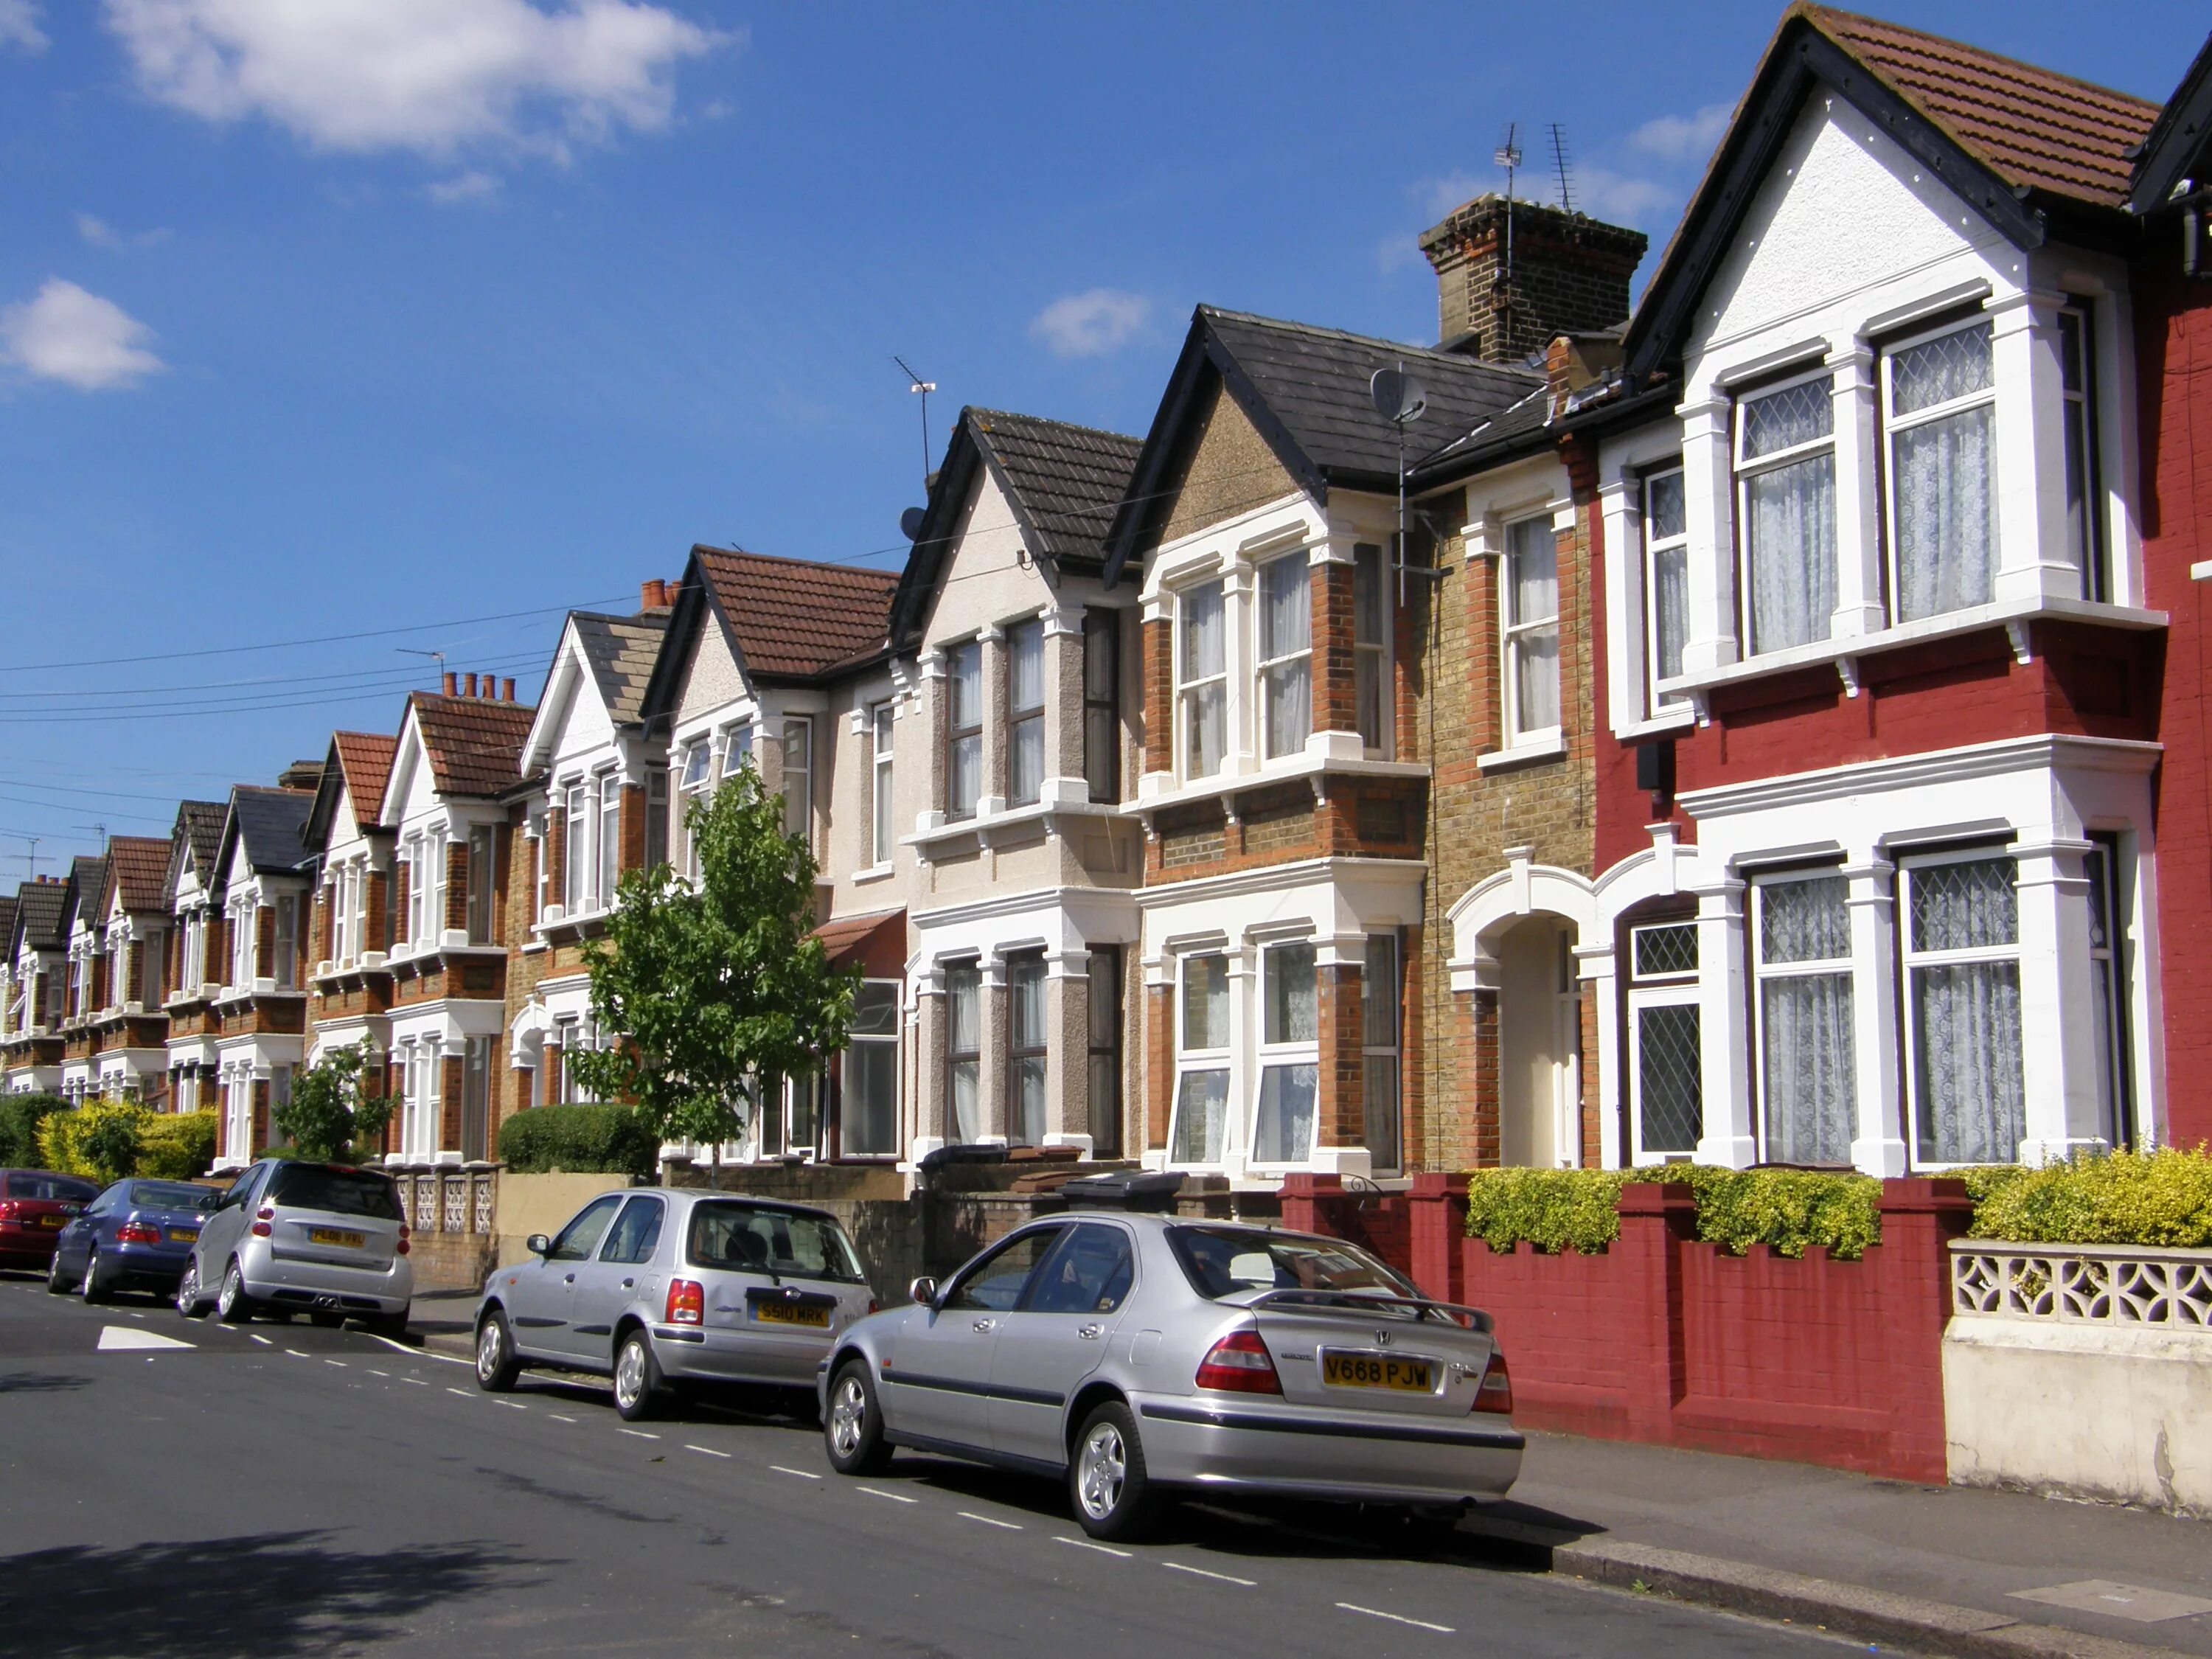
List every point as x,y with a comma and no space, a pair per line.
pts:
704,1451
1085,1544
414,1381
262,1339
1226,1578
340,1363
124,1336
802,1473
386,1376
557,1417
641,1434
1397,1617
969,1515
296,1354
896,1498
510,1404
464,1393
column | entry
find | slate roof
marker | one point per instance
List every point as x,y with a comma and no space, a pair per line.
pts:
88,879
474,743
621,651
795,618
198,835
269,822
2033,128
7,924
2180,141
365,760
40,906
140,864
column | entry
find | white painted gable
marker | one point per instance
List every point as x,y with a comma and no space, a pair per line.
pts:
572,716
714,680
983,582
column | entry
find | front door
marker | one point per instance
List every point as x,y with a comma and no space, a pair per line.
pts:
1057,1337
538,1301
940,1371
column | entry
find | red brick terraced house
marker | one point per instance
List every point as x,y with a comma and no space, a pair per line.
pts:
130,1027
445,807
349,929
37,977
196,954
262,887
1878,659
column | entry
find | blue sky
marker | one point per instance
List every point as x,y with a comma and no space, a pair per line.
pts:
348,322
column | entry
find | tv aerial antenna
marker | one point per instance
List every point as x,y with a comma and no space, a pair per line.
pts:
30,856
1564,166
437,657
1401,400
921,388
1508,155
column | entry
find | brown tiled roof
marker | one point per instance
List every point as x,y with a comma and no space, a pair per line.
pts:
140,865
365,759
474,744
845,935
1067,480
2031,127
792,617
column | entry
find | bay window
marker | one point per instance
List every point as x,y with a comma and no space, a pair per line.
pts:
1370,646
1786,490
1199,1132
1380,1043
1962,977
1666,577
963,1050
1531,630
1290,1055
879,782
1942,402
870,1122
1285,655
1026,1045
1666,1056
963,758
1025,714
1802,966
799,777
1202,678
1101,703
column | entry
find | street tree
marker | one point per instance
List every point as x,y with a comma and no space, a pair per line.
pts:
718,987
332,1113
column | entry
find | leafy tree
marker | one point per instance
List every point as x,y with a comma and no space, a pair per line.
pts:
19,1118
330,1112
107,1140
719,987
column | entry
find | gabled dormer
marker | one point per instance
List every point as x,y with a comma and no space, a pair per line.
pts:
260,884
455,763
352,925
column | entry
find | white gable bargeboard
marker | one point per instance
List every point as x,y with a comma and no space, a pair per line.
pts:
1844,215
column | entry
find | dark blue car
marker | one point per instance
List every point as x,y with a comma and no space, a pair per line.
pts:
137,1235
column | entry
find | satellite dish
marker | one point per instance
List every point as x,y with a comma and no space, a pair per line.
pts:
1399,398
910,523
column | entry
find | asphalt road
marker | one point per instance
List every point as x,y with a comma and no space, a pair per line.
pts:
279,1489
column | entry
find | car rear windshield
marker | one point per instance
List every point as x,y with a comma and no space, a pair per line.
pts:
1224,1260
343,1192
744,1238
170,1195
68,1191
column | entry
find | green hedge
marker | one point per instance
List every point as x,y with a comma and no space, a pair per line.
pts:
1575,1209
2158,1197
578,1140
177,1146
19,1117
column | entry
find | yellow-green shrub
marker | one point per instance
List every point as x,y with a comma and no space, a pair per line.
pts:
107,1139
1575,1209
2155,1198
178,1146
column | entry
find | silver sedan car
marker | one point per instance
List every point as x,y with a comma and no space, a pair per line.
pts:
1137,1355
660,1289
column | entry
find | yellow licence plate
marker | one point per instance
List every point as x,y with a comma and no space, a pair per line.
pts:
792,1313
183,1235
53,1221
335,1236
1375,1371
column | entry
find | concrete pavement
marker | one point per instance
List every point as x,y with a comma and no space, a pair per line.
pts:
279,1489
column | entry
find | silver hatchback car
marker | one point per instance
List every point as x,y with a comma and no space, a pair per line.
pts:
661,1288
1137,1355
321,1239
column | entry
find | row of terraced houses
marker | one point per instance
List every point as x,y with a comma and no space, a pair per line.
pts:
1773,731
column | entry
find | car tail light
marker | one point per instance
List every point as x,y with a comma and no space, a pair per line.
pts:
874,1306
265,1213
1239,1363
1496,1394
262,1230
137,1233
687,1302
9,1210
400,1248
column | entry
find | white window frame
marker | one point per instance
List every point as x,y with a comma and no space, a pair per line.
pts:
1023,718
1514,631
1371,659
798,739
1267,669
1909,869
959,732
1285,1055
577,858
882,811
695,782
1391,944
1187,689
1894,425
872,1040
1190,1061
606,846
2077,371
1656,547
1672,987
1762,971
1743,470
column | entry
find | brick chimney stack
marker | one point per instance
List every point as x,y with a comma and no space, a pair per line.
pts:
1570,275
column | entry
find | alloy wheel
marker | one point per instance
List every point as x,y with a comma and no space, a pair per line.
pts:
188,1290
489,1342
629,1376
1104,1467
848,1414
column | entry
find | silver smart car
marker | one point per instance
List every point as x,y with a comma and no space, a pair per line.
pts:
1135,1355
661,1288
321,1239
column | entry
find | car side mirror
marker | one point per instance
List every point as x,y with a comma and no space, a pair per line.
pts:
537,1244
924,1290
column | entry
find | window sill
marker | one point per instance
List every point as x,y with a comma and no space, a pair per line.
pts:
982,826
1529,752
1676,717
1155,790
873,873
1844,651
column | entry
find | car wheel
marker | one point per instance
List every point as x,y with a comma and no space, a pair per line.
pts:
58,1281
497,1364
853,1429
93,1288
232,1304
188,1292
637,1378
1114,1497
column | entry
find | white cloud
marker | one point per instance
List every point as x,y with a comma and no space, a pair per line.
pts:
1682,137
433,76
19,25
471,186
78,338
1091,324
99,234
1621,199
1438,197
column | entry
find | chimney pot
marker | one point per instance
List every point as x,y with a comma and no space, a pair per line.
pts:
450,688
489,683
469,686
652,595
507,690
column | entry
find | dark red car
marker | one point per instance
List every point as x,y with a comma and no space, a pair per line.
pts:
35,1205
